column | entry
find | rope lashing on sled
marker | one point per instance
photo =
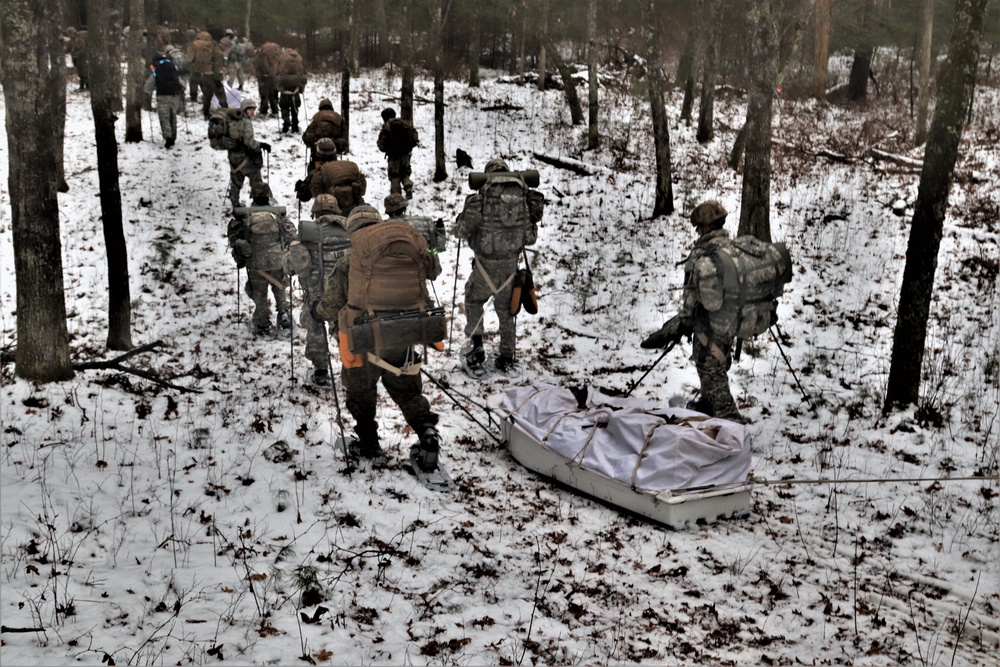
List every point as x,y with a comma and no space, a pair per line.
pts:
756,481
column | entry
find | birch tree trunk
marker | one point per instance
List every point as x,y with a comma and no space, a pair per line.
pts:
955,85
30,70
663,203
105,90
593,133
135,96
924,70
762,55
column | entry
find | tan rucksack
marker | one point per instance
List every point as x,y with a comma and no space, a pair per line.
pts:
388,303
344,181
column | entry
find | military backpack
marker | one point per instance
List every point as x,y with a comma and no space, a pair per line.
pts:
224,129
264,230
507,221
753,274
389,307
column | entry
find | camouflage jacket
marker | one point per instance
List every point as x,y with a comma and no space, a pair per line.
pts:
703,304
334,292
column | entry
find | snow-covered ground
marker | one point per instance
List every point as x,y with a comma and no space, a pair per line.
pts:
146,524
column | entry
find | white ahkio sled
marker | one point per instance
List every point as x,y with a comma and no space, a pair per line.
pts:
674,466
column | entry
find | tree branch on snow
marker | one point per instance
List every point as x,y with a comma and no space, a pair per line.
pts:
116,364
576,166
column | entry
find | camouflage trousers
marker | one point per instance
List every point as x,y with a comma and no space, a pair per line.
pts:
234,72
317,339
714,377
478,292
406,391
194,82
167,109
268,90
211,86
241,168
399,175
257,288
289,106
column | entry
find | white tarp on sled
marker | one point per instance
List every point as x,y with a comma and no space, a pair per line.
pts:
672,465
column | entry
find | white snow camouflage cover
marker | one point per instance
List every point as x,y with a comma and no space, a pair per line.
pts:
636,442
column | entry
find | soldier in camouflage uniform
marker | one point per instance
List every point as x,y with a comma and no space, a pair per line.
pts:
259,282
165,80
703,317
493,272
245,160
397,157
312,256
78,54
361,381
242,49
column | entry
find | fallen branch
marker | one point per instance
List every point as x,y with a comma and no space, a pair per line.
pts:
503,107
4,628
822,152
116,364
577,167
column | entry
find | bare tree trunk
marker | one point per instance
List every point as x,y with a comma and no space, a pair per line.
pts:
543,33
475,46
135,96
56,80
29,72
663,203
955,85
440,167
522,44
821,48
695,37
246,19
105,89
762,55
593,133
924,70
569,86
406,86
706,109
381,31
350,66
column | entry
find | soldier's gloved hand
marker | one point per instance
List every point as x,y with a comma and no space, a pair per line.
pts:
312,310
670,331
266,147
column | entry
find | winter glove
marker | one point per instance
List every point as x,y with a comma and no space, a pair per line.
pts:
670,332
242,251
312,310
265,147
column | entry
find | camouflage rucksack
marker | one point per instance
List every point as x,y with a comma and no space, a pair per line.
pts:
224,129
264,229
753,274
507,224
324,241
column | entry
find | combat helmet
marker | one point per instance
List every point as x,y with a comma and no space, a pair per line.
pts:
394,203
363,215
326,148
708,212
324,204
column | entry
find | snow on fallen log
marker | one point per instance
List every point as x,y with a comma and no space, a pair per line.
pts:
576,166
901,160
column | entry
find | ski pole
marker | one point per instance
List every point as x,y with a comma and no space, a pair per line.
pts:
444,388
291,329
806,397
454,295
326,342
666,349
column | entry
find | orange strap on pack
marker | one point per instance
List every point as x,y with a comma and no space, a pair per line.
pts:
348,358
